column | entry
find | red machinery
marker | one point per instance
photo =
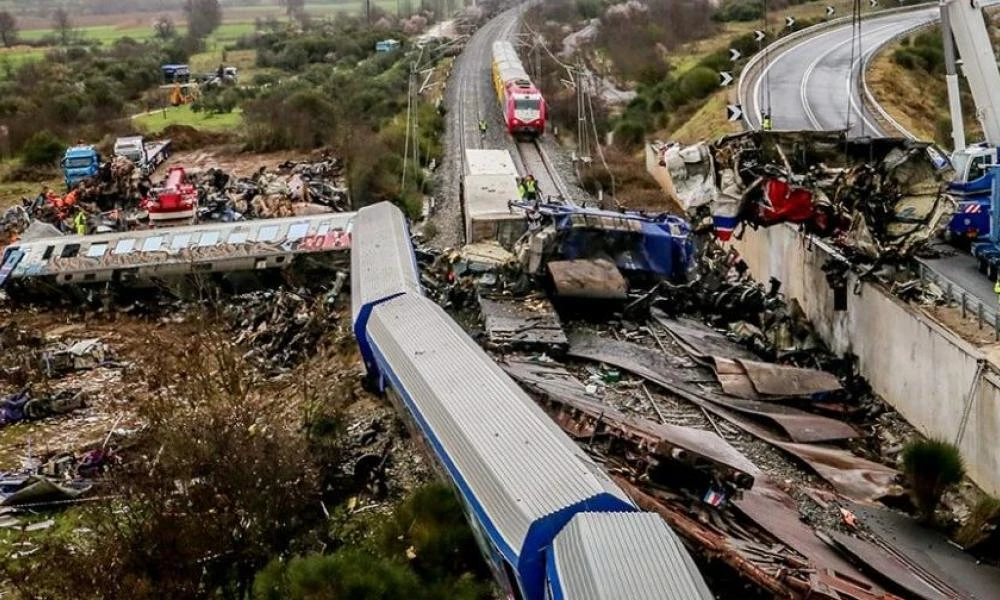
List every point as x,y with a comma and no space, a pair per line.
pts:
175,200
523,106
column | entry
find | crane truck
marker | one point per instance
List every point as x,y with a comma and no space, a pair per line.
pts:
963,26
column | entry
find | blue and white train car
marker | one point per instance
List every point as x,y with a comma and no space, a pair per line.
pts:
521,479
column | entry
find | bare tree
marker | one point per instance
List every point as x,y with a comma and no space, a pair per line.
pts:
203,17
165,27
63,25
8,28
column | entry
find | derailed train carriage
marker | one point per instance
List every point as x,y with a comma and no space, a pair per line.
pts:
548,520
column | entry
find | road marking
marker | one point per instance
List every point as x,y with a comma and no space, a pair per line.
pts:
753,112
804,86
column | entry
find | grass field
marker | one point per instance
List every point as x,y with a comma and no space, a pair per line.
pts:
156,122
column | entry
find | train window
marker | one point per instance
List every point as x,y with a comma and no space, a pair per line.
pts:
267,234
48,252
323,229
67,277
70,250
97,250
527,105
180,241
124,246
260,264
90,277
237,237
209,238
279,260
297,231
152,244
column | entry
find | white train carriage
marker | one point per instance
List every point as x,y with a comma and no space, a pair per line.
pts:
155,253
521,479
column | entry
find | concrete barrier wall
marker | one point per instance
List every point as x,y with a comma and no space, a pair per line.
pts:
922,369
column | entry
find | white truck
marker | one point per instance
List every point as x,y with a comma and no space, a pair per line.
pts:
146,155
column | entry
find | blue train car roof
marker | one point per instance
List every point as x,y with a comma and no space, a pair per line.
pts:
609,556
523,476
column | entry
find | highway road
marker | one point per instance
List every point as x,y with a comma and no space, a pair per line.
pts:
814,85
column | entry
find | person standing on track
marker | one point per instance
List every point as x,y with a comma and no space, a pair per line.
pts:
482,127
531,187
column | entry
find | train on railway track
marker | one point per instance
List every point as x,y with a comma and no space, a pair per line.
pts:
524,109
551,524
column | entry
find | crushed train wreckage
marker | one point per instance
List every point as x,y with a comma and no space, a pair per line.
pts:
874,198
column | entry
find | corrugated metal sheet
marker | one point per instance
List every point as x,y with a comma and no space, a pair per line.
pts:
612,556
518,463
382,262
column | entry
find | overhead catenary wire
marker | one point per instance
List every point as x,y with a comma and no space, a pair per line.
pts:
765,45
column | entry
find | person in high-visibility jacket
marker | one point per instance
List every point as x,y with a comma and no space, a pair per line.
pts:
996,289
80,222
522,190
531,187
765,122
482,126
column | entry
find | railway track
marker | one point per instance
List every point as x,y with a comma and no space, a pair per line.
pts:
532,158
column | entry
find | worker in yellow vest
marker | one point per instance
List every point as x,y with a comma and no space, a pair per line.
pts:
765,122
80,222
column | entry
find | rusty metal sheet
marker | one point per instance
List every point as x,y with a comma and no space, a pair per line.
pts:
895,574
700,341
850,475
777,513
597,279
522,323
799,425
769,379
783,574
696,446
733,379
930,553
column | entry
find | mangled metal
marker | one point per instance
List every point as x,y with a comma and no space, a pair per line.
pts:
799,425
585,417
874,197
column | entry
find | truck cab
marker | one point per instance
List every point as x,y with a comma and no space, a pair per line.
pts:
132,148
80,163
973,175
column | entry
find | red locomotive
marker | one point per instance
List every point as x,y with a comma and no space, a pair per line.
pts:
523,106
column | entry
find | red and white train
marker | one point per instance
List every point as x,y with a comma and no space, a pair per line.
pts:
523,106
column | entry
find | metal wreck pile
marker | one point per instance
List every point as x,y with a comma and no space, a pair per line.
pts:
874,198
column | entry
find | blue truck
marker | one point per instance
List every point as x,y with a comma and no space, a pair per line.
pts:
79,164
972,187
985,247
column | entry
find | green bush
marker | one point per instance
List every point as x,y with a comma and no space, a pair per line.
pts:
739,10
43,149
345,575
629,134
699,82
931,466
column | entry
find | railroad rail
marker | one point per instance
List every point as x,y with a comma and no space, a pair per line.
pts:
532,158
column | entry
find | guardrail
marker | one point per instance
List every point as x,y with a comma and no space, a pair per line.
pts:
987,313
868,98
754,64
